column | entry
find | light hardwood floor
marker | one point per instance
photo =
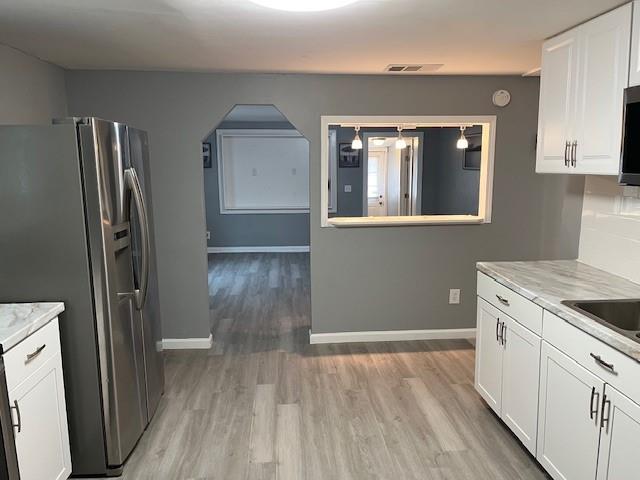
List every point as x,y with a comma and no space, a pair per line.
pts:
264,404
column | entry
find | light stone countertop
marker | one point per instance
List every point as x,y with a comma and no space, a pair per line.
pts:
548,283
19,320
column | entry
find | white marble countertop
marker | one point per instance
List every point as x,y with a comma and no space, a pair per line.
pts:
19,320
548,283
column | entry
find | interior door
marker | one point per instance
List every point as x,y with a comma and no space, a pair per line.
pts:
151,322
604,68
620,438
520,382
406,183
568,418
377,184
558,86
489,355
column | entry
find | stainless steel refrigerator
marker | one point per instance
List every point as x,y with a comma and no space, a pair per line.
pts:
76,226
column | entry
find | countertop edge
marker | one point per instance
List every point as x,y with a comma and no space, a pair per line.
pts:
582,322
34,325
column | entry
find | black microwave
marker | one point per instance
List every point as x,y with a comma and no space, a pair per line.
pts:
630,163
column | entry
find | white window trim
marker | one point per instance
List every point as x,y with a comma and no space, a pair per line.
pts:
220,135
486,168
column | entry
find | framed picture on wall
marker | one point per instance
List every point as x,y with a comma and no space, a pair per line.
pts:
206,155
472,154
348,157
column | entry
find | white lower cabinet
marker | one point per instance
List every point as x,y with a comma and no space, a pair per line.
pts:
572,400
489,355
38,408
520,374
620,438
507,371
568,422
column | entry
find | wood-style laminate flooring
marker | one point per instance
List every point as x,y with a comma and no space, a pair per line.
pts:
264,404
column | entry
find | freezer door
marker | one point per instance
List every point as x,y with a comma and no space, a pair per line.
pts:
151,325
104,152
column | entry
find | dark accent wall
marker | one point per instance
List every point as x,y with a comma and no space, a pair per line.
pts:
253,230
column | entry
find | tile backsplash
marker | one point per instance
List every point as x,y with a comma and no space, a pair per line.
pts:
610,230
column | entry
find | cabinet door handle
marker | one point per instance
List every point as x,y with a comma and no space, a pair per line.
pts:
498,328
502,300
18,425
603,364
604,421
595,397
35,353
574,149
503,331
566,153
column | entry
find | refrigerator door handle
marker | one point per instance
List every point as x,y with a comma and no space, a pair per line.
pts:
133,184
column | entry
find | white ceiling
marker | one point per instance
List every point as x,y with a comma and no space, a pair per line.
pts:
467,36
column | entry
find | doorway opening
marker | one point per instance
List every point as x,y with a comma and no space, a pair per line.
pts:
256,190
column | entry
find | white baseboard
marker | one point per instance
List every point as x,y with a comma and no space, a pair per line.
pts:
187,343
273,249
392,335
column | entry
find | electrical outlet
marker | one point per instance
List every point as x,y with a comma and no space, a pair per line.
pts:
208,235
454,296
347,189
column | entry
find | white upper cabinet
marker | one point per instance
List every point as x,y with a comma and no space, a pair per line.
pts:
584,74
634,69
558,88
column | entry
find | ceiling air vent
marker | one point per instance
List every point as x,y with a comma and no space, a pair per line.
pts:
424,68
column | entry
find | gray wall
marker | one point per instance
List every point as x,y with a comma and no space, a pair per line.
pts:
268,230
31,91
363,278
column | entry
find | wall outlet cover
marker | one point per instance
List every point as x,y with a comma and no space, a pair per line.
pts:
208,235
454,296
347,189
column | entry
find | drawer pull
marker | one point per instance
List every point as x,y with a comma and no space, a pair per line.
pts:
602,363
595,396
33,355
502,300
18,425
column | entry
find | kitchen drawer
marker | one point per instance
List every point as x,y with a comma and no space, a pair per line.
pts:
524,311
579,345
18,366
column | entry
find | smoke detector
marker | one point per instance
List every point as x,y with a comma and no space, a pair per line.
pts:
413,68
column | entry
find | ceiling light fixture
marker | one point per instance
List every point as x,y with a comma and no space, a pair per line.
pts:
400,142
379,142
462,143
304,5
357,141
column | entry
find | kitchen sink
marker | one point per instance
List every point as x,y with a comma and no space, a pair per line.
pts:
623,316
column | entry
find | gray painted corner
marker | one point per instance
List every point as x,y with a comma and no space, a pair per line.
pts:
362,279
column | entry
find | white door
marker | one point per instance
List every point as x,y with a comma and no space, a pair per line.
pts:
568,418
620,438
603,73
558,86
42,442
520,382
489,355
377,184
